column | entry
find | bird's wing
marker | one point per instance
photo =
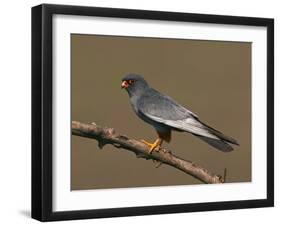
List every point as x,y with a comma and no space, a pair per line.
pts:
165,110
189,125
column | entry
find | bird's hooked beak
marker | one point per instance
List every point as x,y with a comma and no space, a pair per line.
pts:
124,84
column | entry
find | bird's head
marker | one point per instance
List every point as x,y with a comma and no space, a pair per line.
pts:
134,84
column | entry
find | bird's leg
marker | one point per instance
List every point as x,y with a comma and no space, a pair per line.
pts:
153,146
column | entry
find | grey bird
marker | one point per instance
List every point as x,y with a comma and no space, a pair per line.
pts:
166,115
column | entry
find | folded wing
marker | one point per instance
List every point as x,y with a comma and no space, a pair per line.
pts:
165,110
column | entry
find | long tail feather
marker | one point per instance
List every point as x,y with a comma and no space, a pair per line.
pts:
218,144
220,134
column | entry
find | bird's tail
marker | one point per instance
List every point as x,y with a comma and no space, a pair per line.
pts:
218,144
223,144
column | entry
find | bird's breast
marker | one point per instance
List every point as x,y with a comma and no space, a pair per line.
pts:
133,101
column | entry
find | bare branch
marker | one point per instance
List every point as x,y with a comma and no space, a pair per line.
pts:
109,136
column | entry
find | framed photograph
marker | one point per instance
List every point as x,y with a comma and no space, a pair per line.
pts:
140,112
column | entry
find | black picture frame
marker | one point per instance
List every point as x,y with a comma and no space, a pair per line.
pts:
42,111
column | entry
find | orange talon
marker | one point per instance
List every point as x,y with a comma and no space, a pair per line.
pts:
153,146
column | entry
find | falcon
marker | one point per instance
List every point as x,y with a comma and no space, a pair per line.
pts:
166,115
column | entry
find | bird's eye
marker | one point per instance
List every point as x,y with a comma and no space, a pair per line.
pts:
131,82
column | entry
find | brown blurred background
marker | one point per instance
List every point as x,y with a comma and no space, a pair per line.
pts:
210,78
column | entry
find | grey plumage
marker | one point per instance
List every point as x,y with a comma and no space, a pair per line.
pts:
165,114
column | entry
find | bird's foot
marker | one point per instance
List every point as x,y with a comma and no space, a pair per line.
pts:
153,146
